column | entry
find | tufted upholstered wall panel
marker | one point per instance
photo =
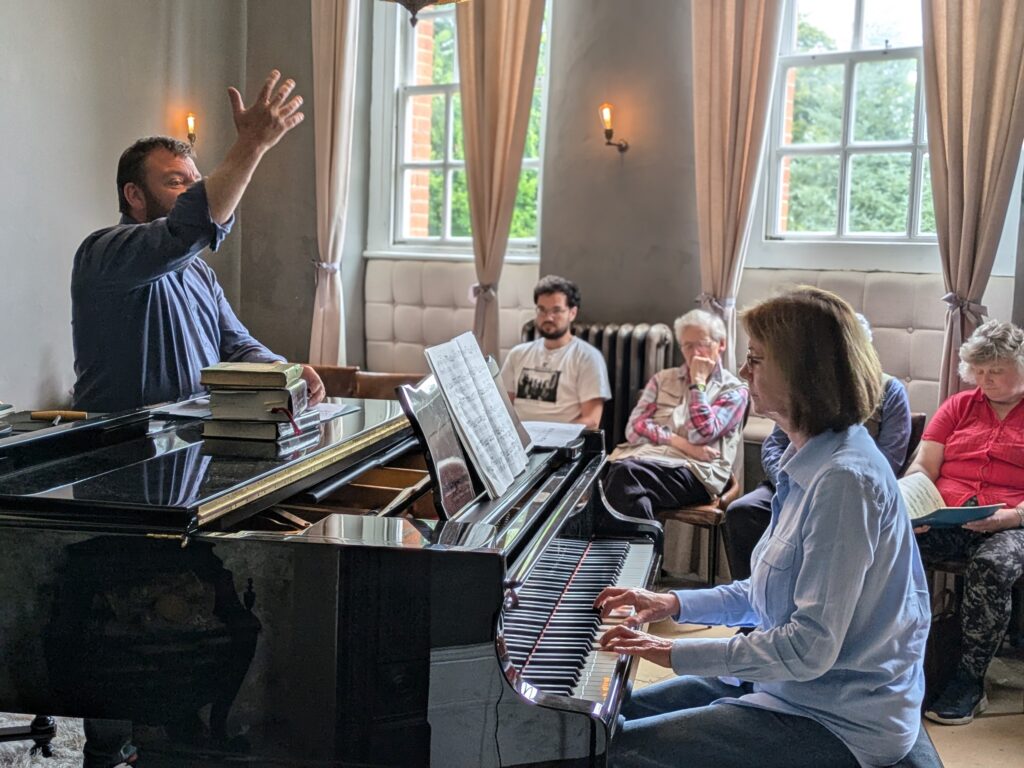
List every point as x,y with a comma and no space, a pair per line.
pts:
415,304
905,310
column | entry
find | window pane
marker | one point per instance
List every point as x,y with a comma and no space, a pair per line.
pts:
927,223
434,50
424,136
457,143
814,105
461,224
824,26
524,217
423,206
880,193
884,100
809,188
891,23
531,149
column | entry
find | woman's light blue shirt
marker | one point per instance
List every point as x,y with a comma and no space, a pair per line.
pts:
839,597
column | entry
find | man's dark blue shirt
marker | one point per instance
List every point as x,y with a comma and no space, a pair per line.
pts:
147,313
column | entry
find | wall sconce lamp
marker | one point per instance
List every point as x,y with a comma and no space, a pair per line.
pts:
190,122
605,110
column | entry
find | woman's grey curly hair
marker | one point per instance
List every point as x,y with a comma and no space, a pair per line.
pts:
992,341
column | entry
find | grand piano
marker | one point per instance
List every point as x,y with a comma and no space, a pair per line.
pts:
311,609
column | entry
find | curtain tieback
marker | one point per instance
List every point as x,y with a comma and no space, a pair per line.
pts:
717,304
485,291
966,306
328,266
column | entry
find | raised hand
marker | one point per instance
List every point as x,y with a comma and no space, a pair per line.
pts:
259,128
622,639
270,116
648,606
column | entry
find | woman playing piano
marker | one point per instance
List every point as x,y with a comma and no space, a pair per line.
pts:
832,674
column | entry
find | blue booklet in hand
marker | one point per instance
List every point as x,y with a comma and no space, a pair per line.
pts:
926,507
950,516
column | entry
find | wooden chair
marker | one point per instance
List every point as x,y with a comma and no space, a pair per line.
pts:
917,421
709,516
349,381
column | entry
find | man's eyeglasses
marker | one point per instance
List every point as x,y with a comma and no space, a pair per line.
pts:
553,312
693,346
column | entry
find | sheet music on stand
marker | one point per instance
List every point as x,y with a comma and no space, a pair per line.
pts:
481,417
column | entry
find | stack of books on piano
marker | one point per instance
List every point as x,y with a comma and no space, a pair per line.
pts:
258,410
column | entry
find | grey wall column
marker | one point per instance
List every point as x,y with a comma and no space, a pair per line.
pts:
624,226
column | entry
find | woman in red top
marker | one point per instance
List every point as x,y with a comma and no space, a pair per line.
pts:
973,450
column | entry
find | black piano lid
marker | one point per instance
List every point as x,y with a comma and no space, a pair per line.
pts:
164,482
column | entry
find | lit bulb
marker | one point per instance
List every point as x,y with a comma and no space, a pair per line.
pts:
190,121
605,112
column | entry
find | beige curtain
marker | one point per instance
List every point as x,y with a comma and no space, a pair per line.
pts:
974,94
335,27
498,45
735,47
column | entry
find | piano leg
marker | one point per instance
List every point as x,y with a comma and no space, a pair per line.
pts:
41,731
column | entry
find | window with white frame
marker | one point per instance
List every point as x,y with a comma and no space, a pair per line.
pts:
848,155
419,137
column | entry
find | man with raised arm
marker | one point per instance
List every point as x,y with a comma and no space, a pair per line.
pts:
147,312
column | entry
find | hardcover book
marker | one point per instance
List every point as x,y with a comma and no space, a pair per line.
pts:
262,430
265,375
283,404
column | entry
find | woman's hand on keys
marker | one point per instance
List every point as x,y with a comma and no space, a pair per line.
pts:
647,606
622,639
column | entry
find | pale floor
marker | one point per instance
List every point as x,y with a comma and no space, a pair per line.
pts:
994,740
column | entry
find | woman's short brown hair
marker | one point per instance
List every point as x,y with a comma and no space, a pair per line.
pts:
832,374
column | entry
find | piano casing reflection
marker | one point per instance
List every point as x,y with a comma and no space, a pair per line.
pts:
311,609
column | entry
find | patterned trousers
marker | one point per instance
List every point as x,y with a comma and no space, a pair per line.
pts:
995,562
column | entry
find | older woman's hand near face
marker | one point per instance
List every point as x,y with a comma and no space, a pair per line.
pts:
1000,520
701,368
632,642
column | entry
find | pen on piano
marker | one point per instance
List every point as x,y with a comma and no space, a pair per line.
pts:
55,417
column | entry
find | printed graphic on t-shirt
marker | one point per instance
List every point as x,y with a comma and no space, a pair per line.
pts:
538,384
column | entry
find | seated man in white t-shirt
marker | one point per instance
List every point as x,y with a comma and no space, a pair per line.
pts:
557,377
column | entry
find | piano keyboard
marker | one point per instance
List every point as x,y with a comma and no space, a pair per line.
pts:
551,633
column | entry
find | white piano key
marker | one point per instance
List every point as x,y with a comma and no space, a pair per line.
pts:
595,677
